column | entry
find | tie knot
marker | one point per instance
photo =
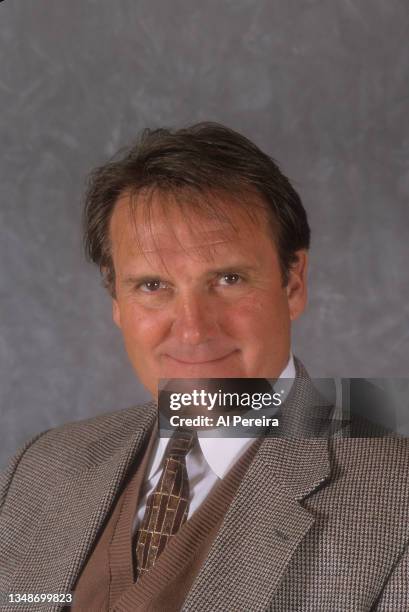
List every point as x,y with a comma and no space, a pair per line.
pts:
180,443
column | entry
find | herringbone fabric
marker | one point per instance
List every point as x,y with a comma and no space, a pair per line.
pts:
167,506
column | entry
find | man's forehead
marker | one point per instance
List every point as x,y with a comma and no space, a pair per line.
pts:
158,230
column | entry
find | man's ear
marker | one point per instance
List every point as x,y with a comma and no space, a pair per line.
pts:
297,285
116,314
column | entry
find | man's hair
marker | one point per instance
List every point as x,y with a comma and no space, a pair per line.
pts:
202,159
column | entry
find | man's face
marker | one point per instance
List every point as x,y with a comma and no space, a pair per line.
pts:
200,297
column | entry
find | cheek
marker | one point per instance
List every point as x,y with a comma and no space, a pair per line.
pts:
257,316
142,328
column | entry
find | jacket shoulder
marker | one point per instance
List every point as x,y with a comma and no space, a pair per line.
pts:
77,443
74,447
373,472
373,446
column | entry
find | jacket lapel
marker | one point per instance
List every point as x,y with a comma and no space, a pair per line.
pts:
266,521
75,511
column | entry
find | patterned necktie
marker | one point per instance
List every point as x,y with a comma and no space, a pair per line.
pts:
167,506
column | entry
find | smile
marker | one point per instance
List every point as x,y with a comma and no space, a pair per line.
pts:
218,359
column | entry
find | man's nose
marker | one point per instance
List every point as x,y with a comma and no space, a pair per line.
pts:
195,318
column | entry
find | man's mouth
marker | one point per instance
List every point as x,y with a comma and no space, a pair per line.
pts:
190,362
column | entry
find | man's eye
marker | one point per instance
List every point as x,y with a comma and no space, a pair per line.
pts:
150,286
230,279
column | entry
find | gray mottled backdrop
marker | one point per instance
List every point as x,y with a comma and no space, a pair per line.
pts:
323,86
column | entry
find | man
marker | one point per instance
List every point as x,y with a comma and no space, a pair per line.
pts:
202,243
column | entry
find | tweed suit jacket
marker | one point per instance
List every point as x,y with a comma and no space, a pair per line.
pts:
319,523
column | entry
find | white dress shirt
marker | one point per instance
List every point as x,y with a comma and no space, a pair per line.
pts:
209,460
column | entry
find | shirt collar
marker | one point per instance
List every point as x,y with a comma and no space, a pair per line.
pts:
222,453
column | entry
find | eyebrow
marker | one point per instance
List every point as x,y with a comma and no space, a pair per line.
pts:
229,269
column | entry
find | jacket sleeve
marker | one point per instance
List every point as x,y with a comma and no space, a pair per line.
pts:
6,476
395,593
